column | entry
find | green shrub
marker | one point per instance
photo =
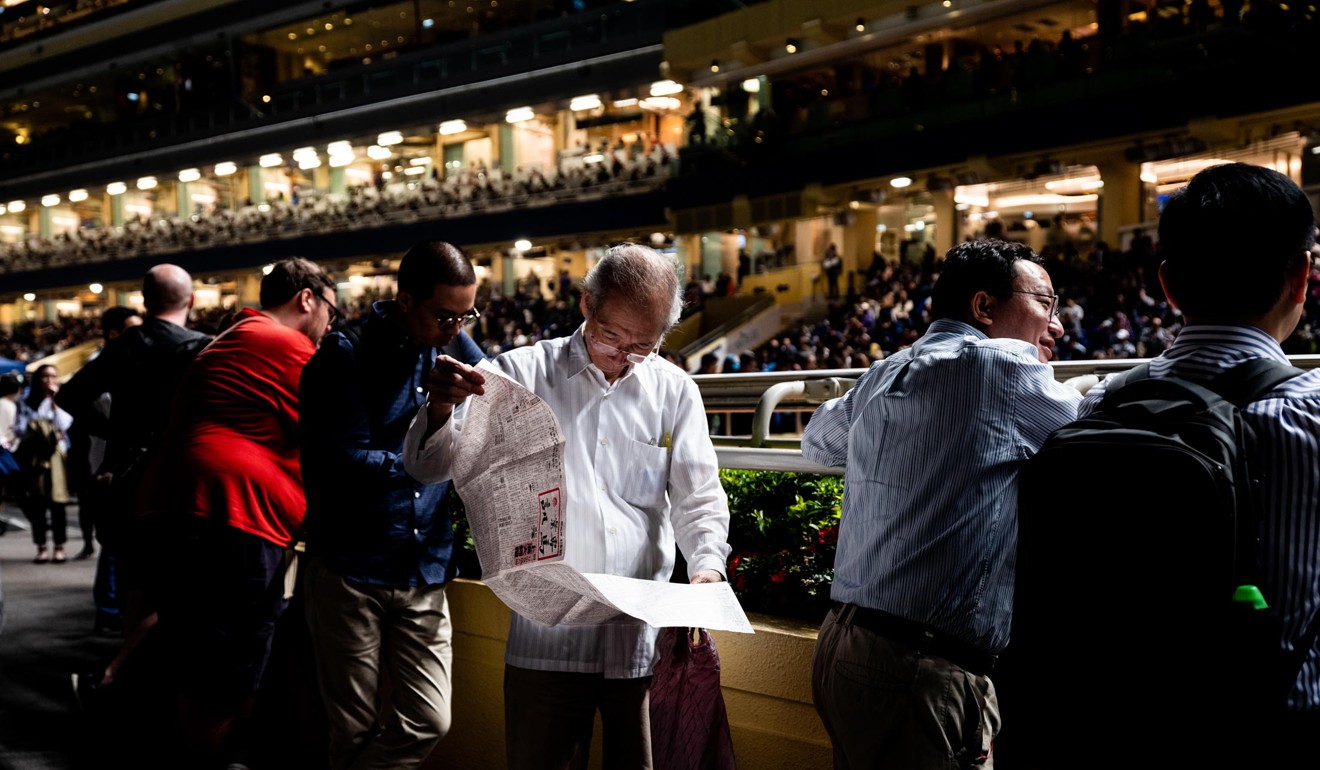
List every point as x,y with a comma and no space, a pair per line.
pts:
783,531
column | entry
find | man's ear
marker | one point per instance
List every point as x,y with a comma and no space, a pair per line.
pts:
404,300
584,304
1164,284
981,308
306,300
1298,279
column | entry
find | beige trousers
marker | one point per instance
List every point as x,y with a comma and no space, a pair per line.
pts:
363,634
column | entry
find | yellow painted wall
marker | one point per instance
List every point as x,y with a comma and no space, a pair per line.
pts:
797,279
766,679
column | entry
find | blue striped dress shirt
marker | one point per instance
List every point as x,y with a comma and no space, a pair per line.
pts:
1287,427
933,438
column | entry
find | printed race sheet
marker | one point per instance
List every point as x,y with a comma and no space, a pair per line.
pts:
508,467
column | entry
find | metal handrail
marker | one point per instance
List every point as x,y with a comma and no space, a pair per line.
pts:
765,393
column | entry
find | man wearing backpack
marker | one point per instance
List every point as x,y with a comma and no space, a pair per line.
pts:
932,439
1134,587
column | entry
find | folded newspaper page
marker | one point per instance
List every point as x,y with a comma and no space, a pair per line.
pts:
509,469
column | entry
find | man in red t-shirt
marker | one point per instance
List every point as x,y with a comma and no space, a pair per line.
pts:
228,481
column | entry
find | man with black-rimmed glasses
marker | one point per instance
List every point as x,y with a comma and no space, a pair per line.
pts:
380,541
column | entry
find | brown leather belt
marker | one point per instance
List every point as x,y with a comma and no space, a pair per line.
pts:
917,636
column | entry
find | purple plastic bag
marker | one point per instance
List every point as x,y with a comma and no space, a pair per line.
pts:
689,727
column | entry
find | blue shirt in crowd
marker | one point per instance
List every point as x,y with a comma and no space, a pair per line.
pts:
933,438
367,519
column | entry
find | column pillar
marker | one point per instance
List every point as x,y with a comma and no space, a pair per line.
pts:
946,221
338,181
182,202
1120,198
45,228
256,190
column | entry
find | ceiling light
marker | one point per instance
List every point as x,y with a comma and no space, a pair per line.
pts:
861,24
714,65
451,127
389,138
146,183
790,45
339,148
620,103
225,169
588,102
16,207
660,103
309,162
376,152
665,88
522,244
413,170
190,175
1149,177
77,196
114,188
519,115
50,200
271,160
30,297
341,159
304,152
752,85
900,181
418,161
95,288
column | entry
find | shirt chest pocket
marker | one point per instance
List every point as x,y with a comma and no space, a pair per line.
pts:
644,474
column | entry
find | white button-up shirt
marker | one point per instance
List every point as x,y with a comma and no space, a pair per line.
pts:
640,473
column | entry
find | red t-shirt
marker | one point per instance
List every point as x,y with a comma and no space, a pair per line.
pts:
231,450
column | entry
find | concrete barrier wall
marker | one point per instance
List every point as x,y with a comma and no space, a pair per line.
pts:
766,679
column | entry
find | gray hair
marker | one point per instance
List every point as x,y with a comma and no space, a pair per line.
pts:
639,274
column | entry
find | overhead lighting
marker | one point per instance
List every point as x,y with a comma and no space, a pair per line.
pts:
790,45
714,65
30,297
422,161
190,175
304,152
1149,177
519,115
581,103
146,183
376,152
414,170
752,85
270,161
339,160
660,103
522,244
225,169
621,103
450,127
339,148
50,200
267,269
861,24
16,207
114,188
77,196
309,162
900,181
95,288
389,138
665,88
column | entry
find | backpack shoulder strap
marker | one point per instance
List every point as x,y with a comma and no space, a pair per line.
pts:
1251,379
1139,372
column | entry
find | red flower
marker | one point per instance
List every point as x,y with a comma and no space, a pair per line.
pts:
778,577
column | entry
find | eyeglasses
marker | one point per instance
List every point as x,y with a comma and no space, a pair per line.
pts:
613,352
1053,298
335,312
449,320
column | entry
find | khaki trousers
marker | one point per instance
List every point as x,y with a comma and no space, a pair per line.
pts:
362,633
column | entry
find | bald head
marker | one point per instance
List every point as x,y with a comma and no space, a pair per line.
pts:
167,289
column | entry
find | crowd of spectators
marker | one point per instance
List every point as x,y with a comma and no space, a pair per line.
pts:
475,189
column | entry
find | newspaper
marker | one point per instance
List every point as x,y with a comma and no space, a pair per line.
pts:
509,468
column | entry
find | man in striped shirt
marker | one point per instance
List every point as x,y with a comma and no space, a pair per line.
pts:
1236,244
933,439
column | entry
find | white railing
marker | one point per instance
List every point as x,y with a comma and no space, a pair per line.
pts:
796,392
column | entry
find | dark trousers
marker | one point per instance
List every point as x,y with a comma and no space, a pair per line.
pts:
35,510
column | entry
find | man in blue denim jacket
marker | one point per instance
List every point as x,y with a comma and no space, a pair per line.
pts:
380,541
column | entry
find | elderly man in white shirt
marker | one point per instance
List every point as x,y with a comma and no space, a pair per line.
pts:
640,474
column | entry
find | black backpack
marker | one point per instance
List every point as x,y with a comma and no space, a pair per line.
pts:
1137,524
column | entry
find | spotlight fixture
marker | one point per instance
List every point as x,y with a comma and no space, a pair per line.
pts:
714,65
861,24
790,45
